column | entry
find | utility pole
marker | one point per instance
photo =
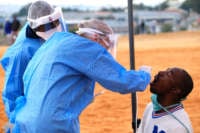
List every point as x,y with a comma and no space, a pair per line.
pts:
132,62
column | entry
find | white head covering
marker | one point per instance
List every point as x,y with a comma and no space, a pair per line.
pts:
92,27
41,13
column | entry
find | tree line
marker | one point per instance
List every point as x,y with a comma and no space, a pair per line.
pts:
186,5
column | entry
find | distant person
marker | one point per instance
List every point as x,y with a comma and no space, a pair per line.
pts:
153,26
142,27
7,26
15,27
7,30
166,114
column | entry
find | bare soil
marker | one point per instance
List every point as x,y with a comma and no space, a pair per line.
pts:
111,112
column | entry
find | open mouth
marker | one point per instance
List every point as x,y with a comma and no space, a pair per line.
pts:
156,78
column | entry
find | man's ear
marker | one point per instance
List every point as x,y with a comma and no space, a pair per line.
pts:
95,37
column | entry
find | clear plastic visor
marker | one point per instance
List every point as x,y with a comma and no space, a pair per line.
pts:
109,41
48,22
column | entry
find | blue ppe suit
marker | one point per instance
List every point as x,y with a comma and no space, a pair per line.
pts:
60,79
7,27
14,63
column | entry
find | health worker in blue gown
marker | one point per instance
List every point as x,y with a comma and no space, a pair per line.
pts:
60,79
17,57
14,63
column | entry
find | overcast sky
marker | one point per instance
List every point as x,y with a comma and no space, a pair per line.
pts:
115,3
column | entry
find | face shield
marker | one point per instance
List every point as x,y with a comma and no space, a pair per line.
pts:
108,41
47,25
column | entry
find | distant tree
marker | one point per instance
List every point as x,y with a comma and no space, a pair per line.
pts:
109,17
186,5
69,9
191,4
112,9
23,11
141,6
162,6
166,28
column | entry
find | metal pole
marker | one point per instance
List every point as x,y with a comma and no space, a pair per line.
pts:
132,62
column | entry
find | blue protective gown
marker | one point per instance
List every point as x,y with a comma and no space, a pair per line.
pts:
14,63
59,83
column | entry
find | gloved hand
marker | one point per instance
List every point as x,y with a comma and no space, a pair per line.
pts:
146,69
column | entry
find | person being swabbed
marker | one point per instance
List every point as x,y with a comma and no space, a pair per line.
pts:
166,114
60,79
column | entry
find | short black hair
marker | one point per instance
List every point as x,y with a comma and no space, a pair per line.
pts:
186,85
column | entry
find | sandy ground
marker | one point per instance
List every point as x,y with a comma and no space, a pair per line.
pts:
111,112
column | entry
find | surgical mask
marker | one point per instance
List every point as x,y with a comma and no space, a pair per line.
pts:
157,107
46,35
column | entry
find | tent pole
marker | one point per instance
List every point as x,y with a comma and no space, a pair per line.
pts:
132,62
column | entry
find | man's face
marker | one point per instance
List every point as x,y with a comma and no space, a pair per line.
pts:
166,80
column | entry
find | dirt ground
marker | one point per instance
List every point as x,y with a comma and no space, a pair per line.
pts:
111,112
